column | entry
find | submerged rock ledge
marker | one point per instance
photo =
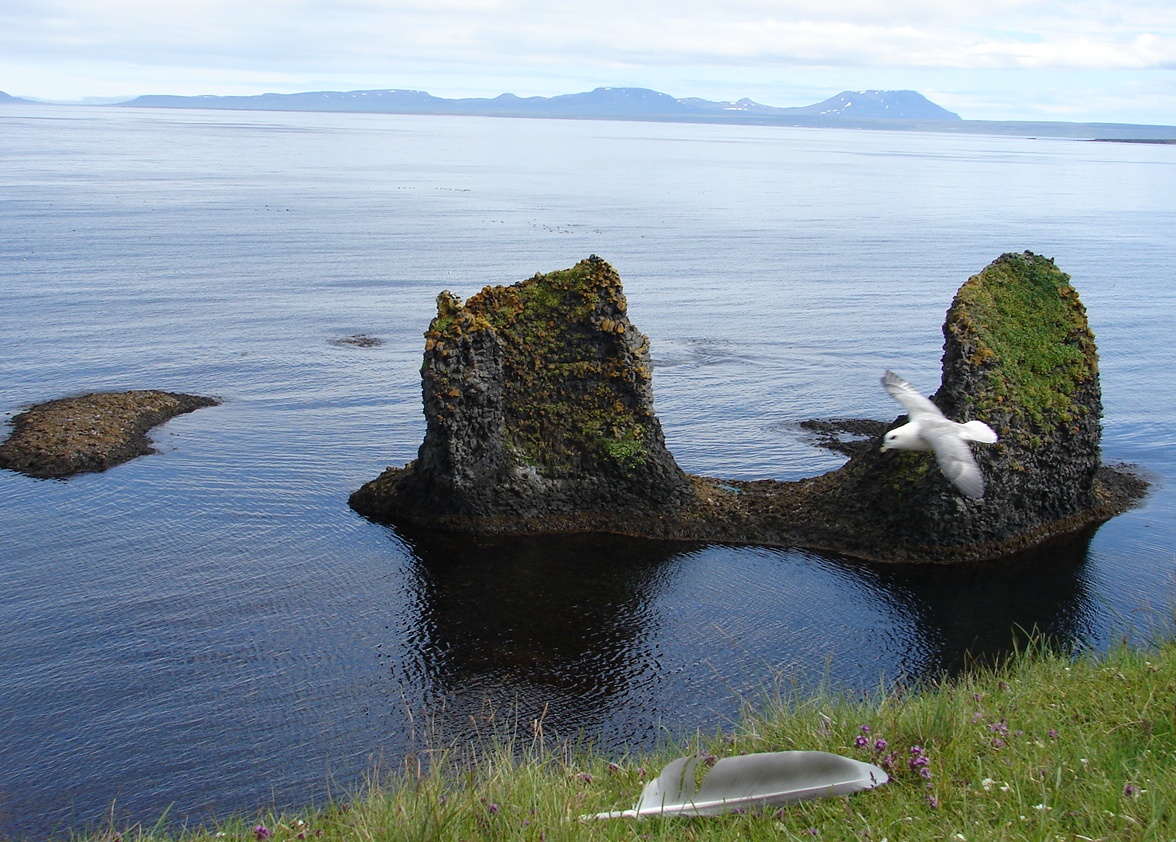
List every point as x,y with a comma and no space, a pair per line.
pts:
539,414
88,433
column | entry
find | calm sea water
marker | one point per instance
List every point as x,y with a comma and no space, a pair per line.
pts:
211,629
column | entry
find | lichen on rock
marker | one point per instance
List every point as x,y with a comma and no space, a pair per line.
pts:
538,402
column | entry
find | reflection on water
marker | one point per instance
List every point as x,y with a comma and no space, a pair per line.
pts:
534,624
979,613
568,629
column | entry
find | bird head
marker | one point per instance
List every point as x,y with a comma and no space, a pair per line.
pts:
905,437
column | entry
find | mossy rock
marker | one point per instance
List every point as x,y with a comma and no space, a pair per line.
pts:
1018,340
1019,356
538,400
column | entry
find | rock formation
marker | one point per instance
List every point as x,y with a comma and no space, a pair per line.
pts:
59,438
538,405
1020,356
539,412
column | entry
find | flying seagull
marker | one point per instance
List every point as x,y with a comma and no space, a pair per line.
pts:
929,429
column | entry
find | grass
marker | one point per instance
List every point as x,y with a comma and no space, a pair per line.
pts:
1043,747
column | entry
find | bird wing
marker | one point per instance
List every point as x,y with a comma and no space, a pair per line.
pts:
917,406
955,458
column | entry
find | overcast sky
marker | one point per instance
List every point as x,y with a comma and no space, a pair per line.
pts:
1081,60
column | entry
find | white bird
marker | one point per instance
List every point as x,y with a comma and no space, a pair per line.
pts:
929,429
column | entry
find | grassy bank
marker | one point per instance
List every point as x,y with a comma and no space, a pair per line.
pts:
1045,747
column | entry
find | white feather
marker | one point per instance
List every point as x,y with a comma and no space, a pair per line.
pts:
750,781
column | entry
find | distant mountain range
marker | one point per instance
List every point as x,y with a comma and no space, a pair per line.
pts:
6,98
602,103
890,110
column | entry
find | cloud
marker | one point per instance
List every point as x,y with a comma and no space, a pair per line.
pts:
801,32
556,46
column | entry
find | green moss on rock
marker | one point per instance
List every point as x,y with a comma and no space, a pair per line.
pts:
538,398
1019,356
572,374
1020,323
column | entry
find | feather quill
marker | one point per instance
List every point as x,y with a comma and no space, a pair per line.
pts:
750,781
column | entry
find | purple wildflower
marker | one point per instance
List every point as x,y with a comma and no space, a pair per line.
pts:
932,802
860,741
1130,790
492,808
262,832
1053,733
586,777
880,745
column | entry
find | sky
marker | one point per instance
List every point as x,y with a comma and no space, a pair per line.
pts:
1069,60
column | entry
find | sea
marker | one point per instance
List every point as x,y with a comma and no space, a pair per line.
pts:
210,631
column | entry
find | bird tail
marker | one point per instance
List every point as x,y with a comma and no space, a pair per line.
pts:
978,431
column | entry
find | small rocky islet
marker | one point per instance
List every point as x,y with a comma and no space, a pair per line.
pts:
539,418
90,433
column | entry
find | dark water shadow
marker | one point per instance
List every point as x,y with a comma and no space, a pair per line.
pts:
571,632
512,629
964,616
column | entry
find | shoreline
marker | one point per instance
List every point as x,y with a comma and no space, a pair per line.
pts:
1082,734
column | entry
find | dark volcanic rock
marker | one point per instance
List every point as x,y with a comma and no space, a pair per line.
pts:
540,419
847,436
92,432
538,403
358,340
1018,355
